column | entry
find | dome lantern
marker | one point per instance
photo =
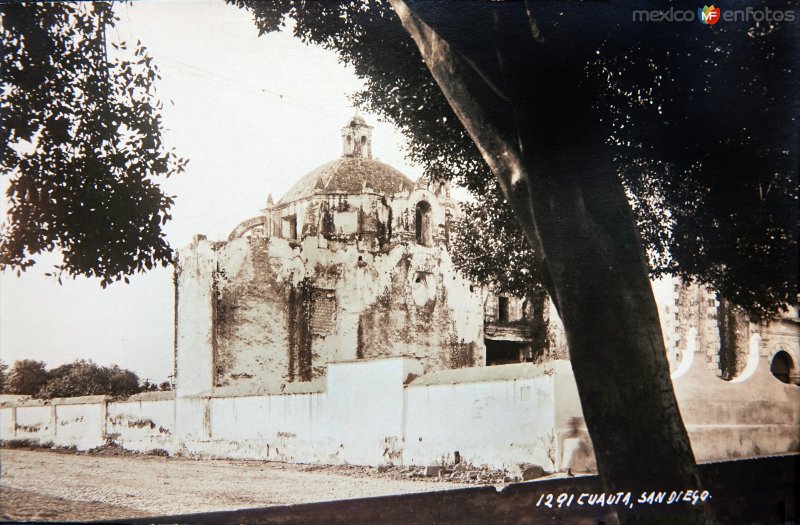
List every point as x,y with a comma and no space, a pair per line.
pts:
357,138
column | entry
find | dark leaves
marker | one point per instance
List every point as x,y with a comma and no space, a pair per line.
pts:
84,186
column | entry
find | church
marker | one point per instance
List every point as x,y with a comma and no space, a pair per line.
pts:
333,328
351,263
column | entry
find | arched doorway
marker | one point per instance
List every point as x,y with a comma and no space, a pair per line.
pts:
782,367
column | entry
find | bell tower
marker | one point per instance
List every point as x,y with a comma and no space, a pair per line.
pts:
357,138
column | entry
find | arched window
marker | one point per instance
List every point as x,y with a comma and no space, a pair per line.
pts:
782,367
424,224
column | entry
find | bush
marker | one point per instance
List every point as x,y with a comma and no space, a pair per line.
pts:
85,378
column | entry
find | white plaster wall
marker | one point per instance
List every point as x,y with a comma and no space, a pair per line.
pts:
79,425
499,423
192,419
354,421
35,423
380,411
366,401
278,427
194,355
7,423
143,425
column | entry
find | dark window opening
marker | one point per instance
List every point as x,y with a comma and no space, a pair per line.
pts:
782,366
292,224
502,309
424,225
363,140
504,352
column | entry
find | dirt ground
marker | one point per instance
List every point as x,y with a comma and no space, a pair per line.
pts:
45,485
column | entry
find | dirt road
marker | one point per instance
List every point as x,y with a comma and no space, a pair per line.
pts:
51,486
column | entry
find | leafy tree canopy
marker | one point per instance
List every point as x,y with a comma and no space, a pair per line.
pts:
3,370
79,378
85,378
704,138
80,141
26,377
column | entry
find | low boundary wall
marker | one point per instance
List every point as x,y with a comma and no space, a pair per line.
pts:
383,411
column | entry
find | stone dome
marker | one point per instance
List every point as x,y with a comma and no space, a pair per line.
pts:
350,175
354,171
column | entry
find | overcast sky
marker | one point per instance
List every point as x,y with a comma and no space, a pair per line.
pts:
252,115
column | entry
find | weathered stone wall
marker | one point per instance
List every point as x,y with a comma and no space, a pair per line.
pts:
722,331
260,311
425,310
256,286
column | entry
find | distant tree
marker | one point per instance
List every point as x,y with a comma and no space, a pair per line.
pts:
85,378
122,382
165,386
3,369
26,377
80,142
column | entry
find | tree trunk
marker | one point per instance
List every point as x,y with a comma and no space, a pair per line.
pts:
585,235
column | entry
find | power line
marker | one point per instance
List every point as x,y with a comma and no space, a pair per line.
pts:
167,62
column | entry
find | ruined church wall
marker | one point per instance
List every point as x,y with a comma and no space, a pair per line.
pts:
425,310
280,308
342,280
254,285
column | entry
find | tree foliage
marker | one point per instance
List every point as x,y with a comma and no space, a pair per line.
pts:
707,142
85,378
3,370
704,138
489,248
26,377
80,141
79,378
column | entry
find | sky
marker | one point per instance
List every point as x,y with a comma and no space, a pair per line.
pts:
252,115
